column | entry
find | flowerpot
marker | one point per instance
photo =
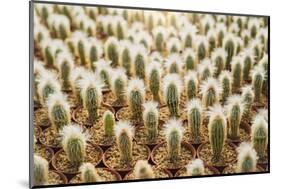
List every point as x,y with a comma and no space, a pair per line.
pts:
105,173
125,114
50,138
244,134
110,99
158,173
56,178
111,157
61,163
164,114
209,170
159,156
187,137
43,151
231,169
37,132
41,118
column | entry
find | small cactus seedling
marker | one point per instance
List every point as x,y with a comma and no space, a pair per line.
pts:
75,76
103,69
248,99
191,85
121,27
143,170
195,168
58,110
144,38
40,33
206,23
174,133
139,61
86,24
217,132
246,36
174,64
259,135
60,25
44,10
151,120
124,137
91,93
195,118
82,46
125,56
248,62
160,35
235,110
149,20
38,70
74,142
221,33
236,71
257,82
206,69
108,123
111,51
254,25
263,112
89,173
229,45
264,63
95,51
41,171
225,79
48,85
202,47
218,58
172,88
65,64
74,46
136,97
173,45
211,92
48,51
187,36
247,158
211,36
119,85
189,59
256,46
154,74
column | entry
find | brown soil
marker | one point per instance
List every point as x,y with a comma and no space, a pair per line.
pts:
165,114
71,100
244,136
61,163
44,152
49,137
104,173
113,161
110,99
141,136
37,132
230,169
229,154
208,171
56,178
97,135
204,135
160,156
125,114
41,118
158,173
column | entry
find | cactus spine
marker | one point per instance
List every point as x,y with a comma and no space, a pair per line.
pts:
206,69
257,82
41,170
65,65
247,158
174,134
136,97
118,85
191,85
103,69
248,61
219,58
174,64
217,132
75,76
111,51
74,143
143,170
202,47
125,56
159,34
248,99
173,45
195,118
229,44
195,168
172,87
89,173
236,71
211,91
151,120
108,123
226,83
139,61
154,72
189,59
187,36
124,137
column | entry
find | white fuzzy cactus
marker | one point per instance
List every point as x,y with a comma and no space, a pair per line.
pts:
120,27
187,36
247,158
191,85
60,25
119,85
218,58
160,36
221,32
40,171
206,69
173,45
89,173
195,168
226,80
104,70
126,56
237,72
95,51
202,47
248,62
143,170
258,77
111,47
151,120
174,64
75,76
189,59
229,44
139,61
144,38
211,92
154,75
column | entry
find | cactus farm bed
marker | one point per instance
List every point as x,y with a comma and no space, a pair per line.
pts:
123,94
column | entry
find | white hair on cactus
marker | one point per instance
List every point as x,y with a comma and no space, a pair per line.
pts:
248,53
40,29
259,121
256,43
144,36
119,20
211,83
76,74
235,100
254,22
257,70
150,106
118,73
137,27
191,76
136,84
221,28
233,28
189,30
208,20
174,41
174,58
247,89
139,49
212,34
194,103
143,170
245,151
200,39
245,33
214,112
230,37
64,57
172,32
156,56
57,98
172,79
206,65
263,112
235,61
196,164
154,65
161,30
38,67
109,41
226,74
124,126
42,170
98,44
219,52
173,125
85,167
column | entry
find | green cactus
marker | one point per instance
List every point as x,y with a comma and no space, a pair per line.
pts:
230,48
47,86
119,83
91,104
195,117
218,58
111,51
236,74
202,51
89,173
247,67
143,170
195,168
247,99
264,64
126,60
139,66
154,80
247,158
191,84
82,52
159,42
257,82
259,136
211,91
189,59
150,120
108,123
40,171
48,56
173,100
120,30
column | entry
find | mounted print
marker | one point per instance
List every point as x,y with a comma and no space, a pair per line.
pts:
122,94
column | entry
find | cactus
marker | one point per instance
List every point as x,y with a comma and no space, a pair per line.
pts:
139,61
248,99
111,51
38,71
247,158
217,132
124,137
108,123
118,85
239,45
189,57
248,61
254,25
211,92
207,23
202,47
257,82
125,56
82,46
74,142
211,36
256,46
121,27
40,33
60,25
40,171
151,120
136,97
143,170
44,10
221,33
58,111
235,110
75,76
48,51
144,38
149,20
259,135
246,36
206,69
89,173
159,34
229,45
236,71
173,45
218,58
65,64
264,63
95,52
154,74
195,117
174,134
195,168
225,79
91,93
187,36
48,85
103,69
174,64
172,88
191,85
